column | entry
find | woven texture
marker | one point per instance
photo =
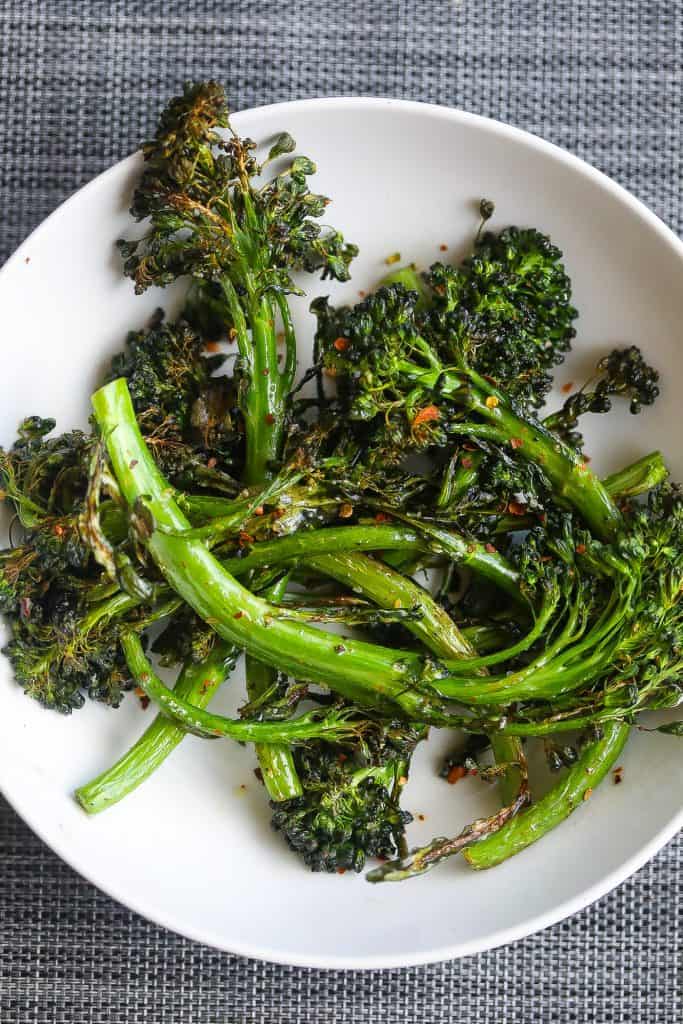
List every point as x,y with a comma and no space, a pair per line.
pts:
80,85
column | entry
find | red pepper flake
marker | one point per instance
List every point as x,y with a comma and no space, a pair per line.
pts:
421,817
133,463
382,517
582,467
278,512
457,772
580,549
238,615
341,871
265,371
490,548
269,418
212,462
618,775
516,442
343,757
566,388
443,247
426,415
25,605
258,511
59,530
516,508
206,685
244,538
211,346
341,344
466,462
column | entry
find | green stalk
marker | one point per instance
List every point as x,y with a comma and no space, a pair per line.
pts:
333,725
264,406
267,398
568,473
389,589
458,478
357,670
555,806
196,685
275,760
514,780
472,555
486,639
308,543
418,536
638,477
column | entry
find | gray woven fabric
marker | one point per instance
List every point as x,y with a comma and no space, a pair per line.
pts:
80,84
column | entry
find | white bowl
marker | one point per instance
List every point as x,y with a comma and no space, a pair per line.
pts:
192,849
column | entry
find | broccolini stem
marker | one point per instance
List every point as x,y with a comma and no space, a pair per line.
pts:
567,471
267,399
328,540
638,477
196,684
458,479
515,779
423,859
275,760
418,536
386,587
555,806
332,725
480,558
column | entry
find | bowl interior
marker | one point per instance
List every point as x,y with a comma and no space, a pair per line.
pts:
193,849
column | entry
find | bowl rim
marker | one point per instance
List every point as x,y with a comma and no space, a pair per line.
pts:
503,936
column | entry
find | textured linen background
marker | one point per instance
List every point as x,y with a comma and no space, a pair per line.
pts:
80,85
